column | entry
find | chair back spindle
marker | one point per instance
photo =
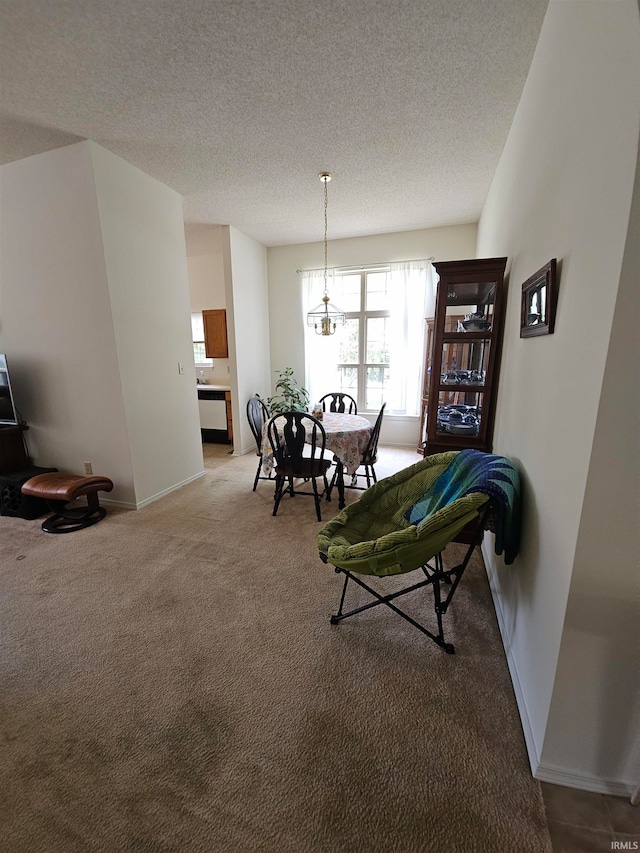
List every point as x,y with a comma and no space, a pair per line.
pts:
339,402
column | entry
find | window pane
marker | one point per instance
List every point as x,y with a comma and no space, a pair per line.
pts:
377,344
348,337
197,327
347,292
198,353
377,296
377,378
349,381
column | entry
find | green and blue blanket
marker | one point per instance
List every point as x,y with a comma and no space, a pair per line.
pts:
474,471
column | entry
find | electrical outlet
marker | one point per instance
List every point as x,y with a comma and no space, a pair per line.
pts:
180,368
88,469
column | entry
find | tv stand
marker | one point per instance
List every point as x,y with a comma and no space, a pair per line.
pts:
13,455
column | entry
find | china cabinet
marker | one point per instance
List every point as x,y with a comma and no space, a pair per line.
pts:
462,361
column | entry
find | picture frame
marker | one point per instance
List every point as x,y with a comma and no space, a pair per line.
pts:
539,299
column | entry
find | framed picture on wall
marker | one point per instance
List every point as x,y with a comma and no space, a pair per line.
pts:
539,299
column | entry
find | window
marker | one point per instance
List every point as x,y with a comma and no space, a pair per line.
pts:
197,334
363,346
377,355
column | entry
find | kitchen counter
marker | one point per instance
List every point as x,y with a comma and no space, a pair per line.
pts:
213,387
214,405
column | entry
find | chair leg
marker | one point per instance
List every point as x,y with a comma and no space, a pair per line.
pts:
326,487
277,496
255,482
332,484
316,497
430,580
373,474
335,619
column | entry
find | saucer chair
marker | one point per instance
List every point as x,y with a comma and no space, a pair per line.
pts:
404,521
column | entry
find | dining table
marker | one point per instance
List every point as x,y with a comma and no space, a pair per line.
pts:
347,437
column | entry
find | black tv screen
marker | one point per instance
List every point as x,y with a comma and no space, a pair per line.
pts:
8,414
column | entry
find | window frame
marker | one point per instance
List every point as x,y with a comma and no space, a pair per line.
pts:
363,315
208,362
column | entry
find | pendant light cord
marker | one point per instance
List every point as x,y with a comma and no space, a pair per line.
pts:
325,236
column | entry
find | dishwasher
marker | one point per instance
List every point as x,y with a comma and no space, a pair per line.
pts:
212,405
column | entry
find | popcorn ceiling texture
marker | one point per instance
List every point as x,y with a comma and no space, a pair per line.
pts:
237,105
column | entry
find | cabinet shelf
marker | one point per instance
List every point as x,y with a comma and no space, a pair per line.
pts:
461,337
465,389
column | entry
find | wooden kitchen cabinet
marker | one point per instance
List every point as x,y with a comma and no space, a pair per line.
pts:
215,333
463,348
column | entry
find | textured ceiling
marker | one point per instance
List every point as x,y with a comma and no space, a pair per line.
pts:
238,104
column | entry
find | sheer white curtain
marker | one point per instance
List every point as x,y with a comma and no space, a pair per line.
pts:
321,353
412,287
412,295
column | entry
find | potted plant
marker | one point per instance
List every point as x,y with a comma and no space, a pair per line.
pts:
289,397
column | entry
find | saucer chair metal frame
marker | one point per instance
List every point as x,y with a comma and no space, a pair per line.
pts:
258,414
288,441
400,547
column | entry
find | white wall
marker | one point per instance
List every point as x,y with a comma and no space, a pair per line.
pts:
144,248
285,292
598,677
562,189
94,286
205,259
207,286
56,325
248,329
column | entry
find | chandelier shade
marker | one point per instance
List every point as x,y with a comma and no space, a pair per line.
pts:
326,317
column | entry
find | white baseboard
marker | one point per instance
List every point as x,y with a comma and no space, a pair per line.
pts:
116,504
157,496
597,785
545,772
530,742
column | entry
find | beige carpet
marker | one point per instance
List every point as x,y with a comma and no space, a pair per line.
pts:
170,682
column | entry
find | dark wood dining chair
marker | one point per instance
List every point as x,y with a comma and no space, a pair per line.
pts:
340,402
367,460
257,415
290,435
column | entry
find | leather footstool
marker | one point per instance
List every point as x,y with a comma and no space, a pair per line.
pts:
59,489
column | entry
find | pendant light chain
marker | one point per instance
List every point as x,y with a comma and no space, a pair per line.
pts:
325,237
326,317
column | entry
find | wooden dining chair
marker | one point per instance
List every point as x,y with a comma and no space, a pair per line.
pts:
367,460
258,415
290,434
340,402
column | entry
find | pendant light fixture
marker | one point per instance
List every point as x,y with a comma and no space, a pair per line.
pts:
326,317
